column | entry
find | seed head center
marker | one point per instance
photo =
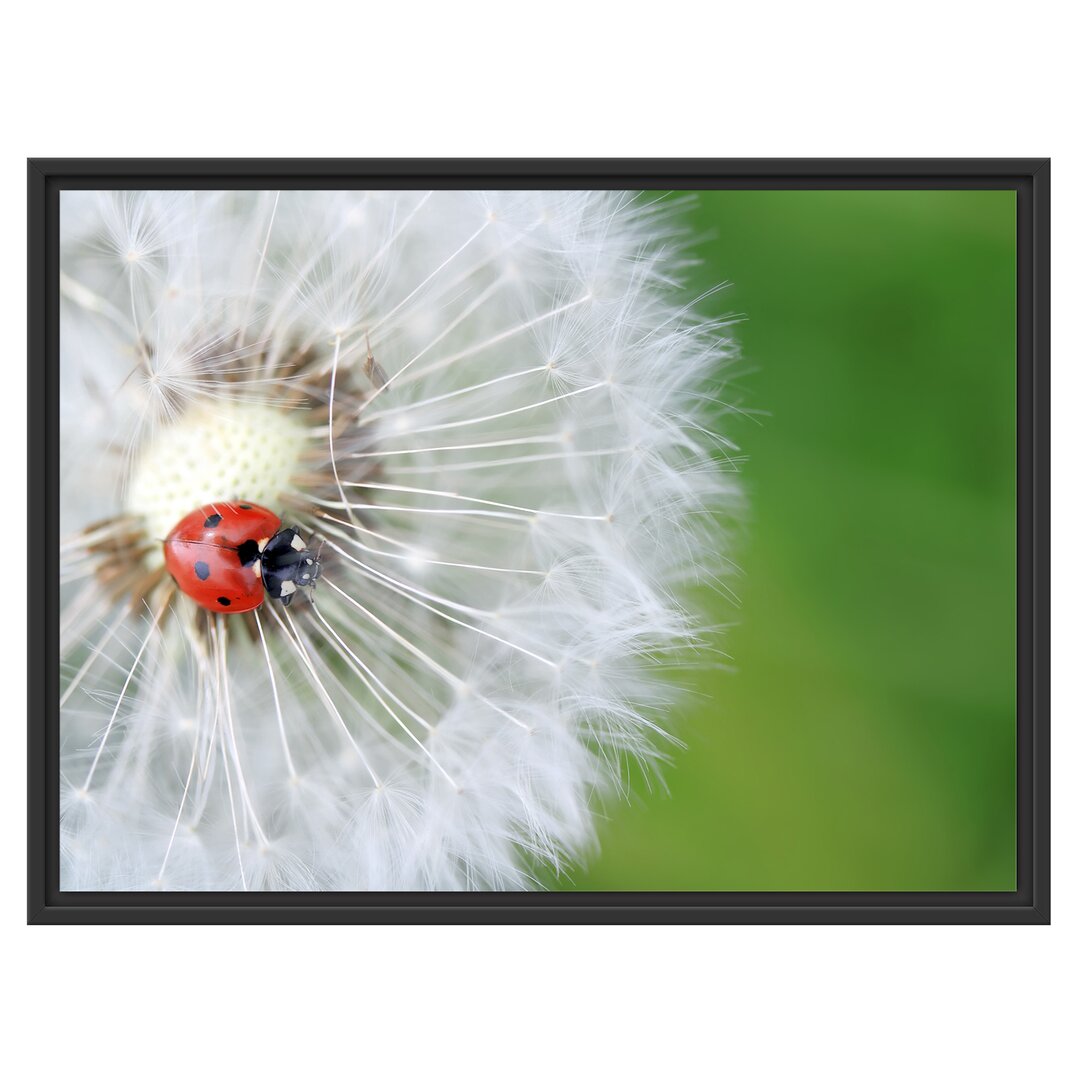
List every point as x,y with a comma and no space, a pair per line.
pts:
221,451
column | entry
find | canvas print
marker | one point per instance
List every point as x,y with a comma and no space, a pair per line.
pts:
537,540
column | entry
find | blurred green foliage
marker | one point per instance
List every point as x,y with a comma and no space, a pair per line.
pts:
866,738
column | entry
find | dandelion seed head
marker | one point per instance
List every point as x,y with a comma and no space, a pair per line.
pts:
214,453
487,411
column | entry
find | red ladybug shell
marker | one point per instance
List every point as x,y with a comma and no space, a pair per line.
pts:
203,554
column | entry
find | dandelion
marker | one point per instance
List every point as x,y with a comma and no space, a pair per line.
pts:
490,415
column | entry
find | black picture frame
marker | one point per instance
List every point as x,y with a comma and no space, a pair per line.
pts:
1029,904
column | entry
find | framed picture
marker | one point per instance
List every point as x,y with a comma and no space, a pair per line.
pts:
563,541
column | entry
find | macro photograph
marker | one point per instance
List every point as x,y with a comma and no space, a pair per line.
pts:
594,544
537,542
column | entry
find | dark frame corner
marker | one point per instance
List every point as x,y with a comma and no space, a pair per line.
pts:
1030,904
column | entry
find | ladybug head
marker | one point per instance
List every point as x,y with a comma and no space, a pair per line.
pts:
288,565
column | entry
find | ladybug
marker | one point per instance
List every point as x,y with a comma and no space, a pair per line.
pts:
228,555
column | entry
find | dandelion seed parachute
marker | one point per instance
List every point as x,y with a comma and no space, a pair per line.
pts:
490,408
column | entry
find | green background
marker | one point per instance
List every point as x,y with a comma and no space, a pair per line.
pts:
866,737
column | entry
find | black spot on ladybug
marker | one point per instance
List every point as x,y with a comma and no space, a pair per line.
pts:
202,570
212,521
245,506
248,552
224,601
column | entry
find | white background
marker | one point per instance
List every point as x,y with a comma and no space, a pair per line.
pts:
547,78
